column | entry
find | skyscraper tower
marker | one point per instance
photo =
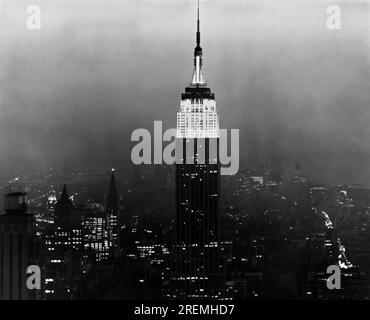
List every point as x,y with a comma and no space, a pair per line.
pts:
17,248
64,251
112,210
197,268
64,210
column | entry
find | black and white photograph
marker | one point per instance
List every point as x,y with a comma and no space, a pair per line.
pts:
185,157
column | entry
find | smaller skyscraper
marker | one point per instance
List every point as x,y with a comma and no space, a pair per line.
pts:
64,254
17,248
112,210
96,232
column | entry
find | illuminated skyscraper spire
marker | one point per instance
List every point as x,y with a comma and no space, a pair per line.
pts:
198,78
197,117
198,30
197,268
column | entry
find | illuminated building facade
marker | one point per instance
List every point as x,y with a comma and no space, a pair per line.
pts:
96,233
45,217
197,266
64,251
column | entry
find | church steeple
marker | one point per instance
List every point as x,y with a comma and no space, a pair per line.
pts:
112,196
64,196
64,200
64,217
198,78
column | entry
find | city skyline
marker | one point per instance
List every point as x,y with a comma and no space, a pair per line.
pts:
86,215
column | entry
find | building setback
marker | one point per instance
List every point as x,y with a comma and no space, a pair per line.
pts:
196,266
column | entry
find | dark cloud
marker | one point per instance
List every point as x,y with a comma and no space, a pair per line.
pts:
72,93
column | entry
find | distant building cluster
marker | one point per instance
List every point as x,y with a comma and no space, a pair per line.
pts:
62,239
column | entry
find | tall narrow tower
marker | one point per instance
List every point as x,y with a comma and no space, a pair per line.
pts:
17,247
197,267
112,210
63,251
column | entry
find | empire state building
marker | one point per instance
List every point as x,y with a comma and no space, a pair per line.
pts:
196,267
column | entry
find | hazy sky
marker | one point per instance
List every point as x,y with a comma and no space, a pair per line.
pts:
72,92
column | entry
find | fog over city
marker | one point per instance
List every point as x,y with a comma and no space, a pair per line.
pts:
72,92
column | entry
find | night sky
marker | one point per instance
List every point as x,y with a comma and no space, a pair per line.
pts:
72,92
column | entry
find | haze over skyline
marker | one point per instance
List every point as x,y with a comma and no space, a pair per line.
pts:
72,93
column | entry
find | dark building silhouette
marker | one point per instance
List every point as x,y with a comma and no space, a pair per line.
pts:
64,251
17,248
197,267
64,210
112,210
